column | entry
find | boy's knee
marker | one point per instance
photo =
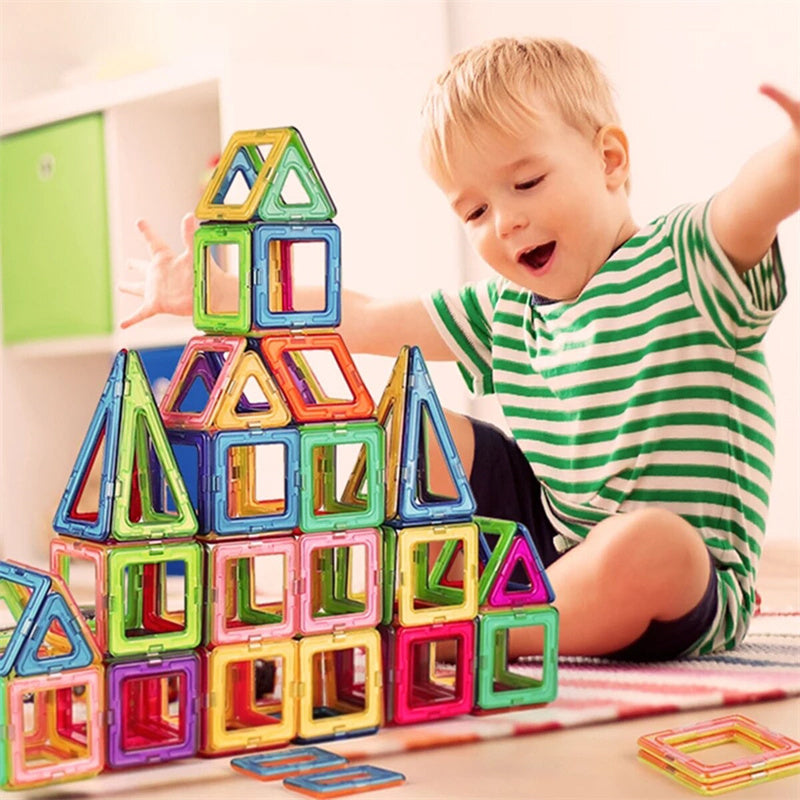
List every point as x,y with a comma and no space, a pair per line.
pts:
655,545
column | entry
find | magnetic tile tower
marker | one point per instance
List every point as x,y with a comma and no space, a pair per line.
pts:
80,686
302,579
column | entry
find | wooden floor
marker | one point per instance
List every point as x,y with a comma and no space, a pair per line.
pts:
582,763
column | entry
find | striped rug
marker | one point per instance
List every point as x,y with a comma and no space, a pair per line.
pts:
765,667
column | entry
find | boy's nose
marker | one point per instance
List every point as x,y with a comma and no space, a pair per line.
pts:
508,220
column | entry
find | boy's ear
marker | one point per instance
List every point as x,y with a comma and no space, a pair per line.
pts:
613,146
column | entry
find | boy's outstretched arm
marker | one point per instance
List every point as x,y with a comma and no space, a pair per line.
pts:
745,215
369,325
382,327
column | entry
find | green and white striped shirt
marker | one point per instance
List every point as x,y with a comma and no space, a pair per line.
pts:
650,389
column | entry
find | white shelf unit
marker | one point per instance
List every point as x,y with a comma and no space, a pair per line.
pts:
161,128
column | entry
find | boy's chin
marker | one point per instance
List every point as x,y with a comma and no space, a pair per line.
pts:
545,287
544,294
550,288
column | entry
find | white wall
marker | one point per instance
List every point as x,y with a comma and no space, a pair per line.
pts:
351,76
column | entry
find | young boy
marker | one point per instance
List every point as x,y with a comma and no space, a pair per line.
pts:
626,359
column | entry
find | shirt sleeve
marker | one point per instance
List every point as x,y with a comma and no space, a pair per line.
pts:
739,307
464,319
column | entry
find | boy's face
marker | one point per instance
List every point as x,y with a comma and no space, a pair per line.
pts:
541,208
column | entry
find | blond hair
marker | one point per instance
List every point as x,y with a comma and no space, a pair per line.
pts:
496,84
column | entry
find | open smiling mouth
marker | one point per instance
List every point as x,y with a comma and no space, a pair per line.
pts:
539,256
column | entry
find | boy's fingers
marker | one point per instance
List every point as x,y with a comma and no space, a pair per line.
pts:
788,103
776,93
131,287
155,244
143,312
189,225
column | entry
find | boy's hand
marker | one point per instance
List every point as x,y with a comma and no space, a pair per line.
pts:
166,283
789,104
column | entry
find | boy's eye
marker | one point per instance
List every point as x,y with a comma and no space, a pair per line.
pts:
529,184
475,214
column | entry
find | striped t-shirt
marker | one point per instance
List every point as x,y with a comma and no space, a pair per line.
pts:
650,388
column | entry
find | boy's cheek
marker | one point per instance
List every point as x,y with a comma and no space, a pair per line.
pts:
477,238
480,248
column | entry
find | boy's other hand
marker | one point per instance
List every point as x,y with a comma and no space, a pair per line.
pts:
166,281
791,105
788,103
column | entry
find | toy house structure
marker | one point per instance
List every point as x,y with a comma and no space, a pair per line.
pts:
303,579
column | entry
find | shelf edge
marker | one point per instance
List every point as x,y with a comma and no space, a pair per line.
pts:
61,104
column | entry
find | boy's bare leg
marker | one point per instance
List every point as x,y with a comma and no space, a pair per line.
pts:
634,568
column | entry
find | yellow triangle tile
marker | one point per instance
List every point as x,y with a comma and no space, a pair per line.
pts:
226,416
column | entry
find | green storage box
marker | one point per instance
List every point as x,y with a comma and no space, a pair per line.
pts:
54,251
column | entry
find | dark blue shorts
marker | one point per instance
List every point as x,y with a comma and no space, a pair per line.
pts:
506,488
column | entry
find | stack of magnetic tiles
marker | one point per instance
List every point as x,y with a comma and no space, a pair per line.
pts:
297,579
